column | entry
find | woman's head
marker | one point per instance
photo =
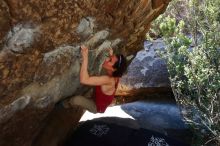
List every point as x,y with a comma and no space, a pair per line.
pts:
120,66
117,64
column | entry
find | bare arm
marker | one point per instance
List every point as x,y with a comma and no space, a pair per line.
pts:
110,50
84,75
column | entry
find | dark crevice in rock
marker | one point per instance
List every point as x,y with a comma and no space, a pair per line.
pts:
10,13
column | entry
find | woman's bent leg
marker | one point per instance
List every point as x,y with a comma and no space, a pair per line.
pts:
87,103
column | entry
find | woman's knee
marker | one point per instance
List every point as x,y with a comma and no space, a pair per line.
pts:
76,100
85,102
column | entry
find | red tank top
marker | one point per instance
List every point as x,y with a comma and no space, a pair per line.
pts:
102,100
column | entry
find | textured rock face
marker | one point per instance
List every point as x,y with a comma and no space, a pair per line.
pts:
39,49
148,69
147,73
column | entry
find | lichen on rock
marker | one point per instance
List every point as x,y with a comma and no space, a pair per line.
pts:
21,37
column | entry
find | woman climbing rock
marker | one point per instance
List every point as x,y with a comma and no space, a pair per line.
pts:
105,85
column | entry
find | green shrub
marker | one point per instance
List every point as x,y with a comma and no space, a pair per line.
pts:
193,61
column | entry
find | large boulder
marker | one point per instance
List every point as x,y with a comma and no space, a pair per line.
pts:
148,69
40,53
147,74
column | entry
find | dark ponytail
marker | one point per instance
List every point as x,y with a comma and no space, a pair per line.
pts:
120,66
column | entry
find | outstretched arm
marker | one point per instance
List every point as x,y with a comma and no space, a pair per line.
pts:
84,75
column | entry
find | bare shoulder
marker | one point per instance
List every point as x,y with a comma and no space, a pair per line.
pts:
110,80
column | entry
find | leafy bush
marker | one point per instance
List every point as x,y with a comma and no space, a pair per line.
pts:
193,60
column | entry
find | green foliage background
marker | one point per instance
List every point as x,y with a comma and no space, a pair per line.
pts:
191,30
